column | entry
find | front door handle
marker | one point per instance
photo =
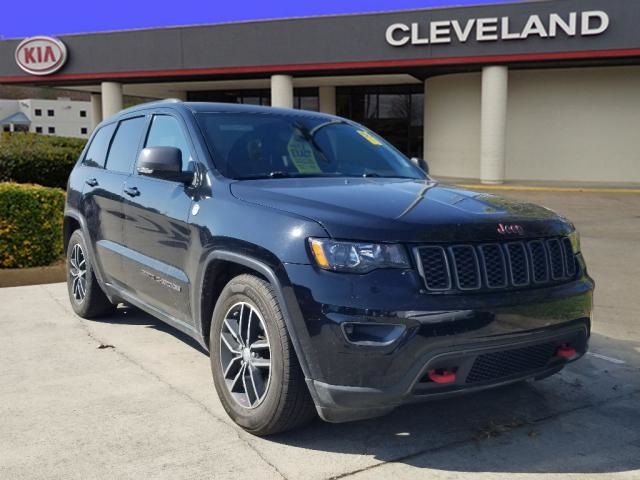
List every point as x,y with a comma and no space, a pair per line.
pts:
92,182
132,191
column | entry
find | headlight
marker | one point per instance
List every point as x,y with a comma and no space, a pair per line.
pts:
357,257
574,238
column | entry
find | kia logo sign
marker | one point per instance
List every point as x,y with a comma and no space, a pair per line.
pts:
41,55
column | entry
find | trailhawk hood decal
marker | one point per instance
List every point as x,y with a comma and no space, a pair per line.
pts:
382,209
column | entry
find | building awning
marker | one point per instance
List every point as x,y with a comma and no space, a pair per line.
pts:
18,118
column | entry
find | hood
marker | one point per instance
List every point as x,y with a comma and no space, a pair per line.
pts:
401,210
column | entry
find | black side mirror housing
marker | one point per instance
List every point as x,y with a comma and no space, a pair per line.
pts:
421,163
164,163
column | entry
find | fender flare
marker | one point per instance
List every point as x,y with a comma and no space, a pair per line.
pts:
285,306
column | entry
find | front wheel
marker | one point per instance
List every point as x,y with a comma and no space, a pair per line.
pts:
255,369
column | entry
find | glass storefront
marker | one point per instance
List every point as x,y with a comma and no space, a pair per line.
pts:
395,111
303,98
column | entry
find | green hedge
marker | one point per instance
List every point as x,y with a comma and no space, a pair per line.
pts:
42,159
31,219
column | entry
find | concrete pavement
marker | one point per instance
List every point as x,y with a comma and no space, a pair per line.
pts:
128,397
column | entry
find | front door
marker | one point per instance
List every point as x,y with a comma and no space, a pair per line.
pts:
156,229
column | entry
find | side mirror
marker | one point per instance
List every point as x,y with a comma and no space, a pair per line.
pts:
421,163
164,163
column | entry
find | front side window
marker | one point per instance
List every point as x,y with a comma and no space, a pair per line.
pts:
124,146
249,145
165,131
97,153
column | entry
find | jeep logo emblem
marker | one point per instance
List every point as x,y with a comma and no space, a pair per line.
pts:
41,55
510,229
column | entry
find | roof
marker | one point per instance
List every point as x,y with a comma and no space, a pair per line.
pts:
213,107
18,118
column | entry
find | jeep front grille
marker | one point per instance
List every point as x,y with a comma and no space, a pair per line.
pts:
495,266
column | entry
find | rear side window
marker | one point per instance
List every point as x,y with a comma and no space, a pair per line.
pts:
97,152
165,131
124,146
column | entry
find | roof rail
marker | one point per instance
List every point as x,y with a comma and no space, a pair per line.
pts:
150,104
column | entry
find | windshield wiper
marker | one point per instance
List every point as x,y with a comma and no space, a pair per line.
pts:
377,175
279,174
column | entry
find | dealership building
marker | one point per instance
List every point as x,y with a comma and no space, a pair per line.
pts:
523,91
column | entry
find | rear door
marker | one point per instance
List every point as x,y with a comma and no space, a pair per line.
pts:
109,162
156,229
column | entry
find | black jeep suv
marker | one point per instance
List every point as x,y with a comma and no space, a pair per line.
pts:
322,269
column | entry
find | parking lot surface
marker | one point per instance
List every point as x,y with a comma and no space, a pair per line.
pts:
128,397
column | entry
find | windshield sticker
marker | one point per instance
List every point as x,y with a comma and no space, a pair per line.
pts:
302,155
373,140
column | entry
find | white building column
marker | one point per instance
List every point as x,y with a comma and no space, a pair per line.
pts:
327,100
282,91
96,110
425,129
179,94
111,98
493,130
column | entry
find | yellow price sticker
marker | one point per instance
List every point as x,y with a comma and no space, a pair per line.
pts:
369,137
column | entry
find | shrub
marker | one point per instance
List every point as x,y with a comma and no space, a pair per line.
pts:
31,219
45,160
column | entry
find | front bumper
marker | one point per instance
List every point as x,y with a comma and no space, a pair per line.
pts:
474,373
351,381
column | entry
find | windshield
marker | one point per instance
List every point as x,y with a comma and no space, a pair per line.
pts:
255,145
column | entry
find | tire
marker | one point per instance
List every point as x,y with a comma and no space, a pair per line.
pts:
275,399
86,297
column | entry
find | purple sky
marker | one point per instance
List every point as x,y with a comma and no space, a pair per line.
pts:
38,17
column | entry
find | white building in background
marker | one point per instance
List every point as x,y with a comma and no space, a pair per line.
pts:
62,117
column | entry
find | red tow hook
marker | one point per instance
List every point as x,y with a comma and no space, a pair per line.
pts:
442,376
566,352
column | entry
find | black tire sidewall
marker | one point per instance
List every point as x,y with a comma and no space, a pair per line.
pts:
255,418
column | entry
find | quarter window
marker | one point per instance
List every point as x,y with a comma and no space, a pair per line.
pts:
97,152
124,146
165,131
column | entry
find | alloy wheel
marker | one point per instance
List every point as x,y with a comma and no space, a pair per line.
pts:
245,355
78,272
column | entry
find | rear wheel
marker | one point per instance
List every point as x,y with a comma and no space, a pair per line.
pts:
255,369
87,298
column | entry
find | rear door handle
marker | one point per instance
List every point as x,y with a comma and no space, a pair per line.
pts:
92,182
132,191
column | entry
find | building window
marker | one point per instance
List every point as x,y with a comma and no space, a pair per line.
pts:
83,113
51,130
38,129
38,112
396,112
50,113
83,131
303,98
